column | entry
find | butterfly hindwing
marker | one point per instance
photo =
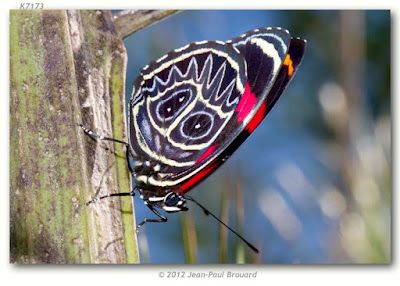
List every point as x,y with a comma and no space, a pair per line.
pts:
182,101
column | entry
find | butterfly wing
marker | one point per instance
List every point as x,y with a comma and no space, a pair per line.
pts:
243,93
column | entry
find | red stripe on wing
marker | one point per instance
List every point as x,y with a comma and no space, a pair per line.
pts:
258,117
209,151
246,104
198,177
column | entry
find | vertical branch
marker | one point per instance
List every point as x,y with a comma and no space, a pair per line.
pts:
65,68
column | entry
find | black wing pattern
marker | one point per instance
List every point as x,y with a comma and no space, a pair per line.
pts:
182,101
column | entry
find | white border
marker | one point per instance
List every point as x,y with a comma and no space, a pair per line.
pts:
142,275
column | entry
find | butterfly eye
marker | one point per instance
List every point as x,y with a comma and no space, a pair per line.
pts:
171,199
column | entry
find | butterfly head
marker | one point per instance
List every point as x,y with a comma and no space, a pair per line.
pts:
170,201
174,202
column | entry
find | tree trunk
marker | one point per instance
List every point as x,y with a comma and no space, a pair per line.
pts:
67,67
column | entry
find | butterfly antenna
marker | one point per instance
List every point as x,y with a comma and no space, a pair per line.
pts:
131,193
207,212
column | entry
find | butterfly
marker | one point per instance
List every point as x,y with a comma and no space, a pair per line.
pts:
191,109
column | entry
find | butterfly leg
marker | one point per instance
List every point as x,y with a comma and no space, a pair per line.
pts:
161,218
99,136
131,193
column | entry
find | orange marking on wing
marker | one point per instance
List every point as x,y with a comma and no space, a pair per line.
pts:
289,63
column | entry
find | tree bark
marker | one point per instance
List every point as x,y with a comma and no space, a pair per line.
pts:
67,67
129,21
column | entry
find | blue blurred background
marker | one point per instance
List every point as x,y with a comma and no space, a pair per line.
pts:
313,182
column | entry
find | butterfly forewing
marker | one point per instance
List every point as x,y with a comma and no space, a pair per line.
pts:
290,65
264,51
